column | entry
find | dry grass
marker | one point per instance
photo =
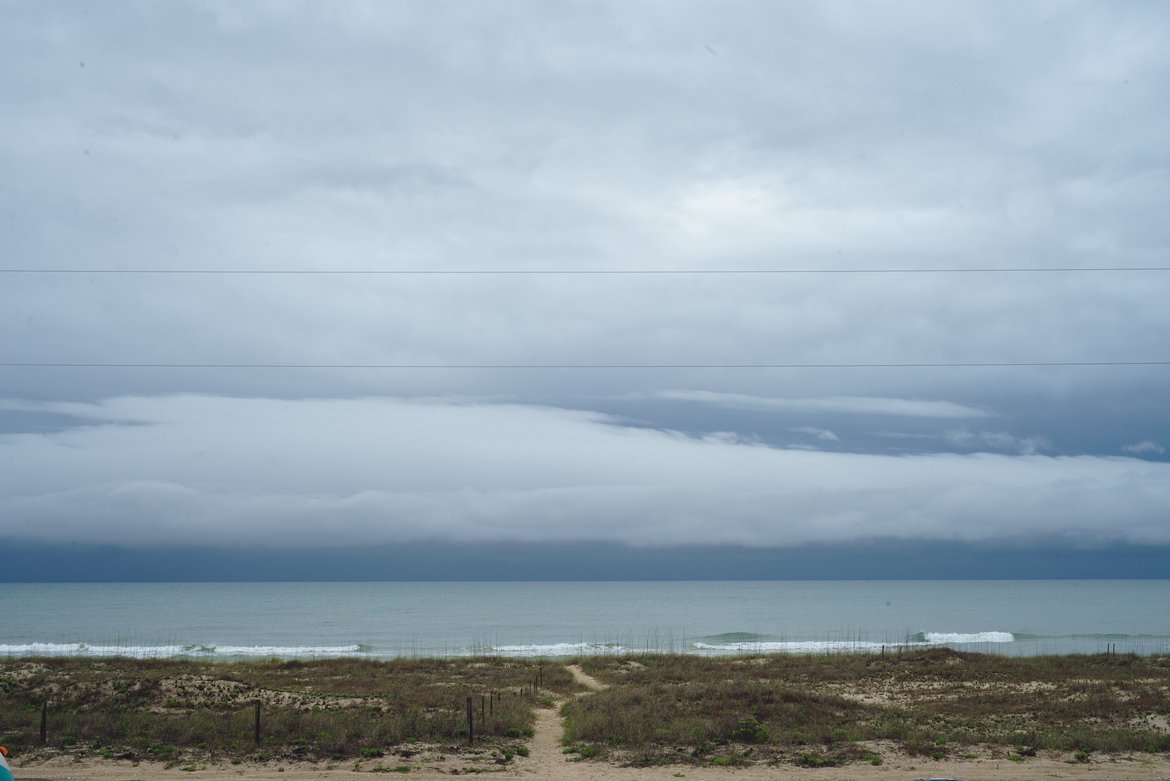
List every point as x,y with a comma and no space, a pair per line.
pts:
818,710
337,709
804,710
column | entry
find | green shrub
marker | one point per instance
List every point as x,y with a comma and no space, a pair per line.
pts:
750,731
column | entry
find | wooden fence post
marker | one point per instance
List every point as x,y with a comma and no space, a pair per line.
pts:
470,724
44,721
256,725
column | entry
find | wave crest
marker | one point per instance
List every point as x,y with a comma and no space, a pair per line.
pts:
179,651
959,638
556,649
795,646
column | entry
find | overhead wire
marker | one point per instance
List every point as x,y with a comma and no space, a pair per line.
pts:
515,366
582,272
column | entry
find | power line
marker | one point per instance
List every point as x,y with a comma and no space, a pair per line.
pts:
589,366
580,272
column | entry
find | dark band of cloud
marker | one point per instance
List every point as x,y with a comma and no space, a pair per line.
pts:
185,469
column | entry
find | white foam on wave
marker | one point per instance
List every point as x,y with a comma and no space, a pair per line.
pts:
556,649
85,649
923,639
946,638
794,646
283,651
177,651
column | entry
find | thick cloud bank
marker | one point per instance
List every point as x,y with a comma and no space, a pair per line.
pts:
329,472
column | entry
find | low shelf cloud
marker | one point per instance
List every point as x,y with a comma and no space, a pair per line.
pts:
183,470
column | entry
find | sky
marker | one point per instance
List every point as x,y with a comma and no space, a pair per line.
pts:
679,287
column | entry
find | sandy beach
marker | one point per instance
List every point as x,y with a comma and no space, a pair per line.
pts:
536,768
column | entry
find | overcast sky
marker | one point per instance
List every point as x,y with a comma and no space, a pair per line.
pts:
820,137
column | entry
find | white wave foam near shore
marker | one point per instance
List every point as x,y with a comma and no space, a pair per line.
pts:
794,646
958,638
176,651
920,640
557,649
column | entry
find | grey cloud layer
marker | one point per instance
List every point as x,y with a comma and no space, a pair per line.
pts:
604,136
186,469
528,135
849,404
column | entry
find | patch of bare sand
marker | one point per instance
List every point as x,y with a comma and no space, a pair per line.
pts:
895,692
192,691
555,768
1154,722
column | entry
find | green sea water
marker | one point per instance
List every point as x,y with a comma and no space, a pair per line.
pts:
382,620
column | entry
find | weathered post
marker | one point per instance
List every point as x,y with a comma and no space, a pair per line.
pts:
44,721
256,722
470,724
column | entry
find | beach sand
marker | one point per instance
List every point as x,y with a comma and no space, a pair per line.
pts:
547,762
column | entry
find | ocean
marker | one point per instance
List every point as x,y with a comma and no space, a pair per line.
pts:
386,620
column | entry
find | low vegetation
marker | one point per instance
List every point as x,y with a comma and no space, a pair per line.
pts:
829,710
310,710
810,711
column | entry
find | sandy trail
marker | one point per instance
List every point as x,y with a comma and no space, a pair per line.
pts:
547,758
586,680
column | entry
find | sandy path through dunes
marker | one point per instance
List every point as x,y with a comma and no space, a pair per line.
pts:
547,758
586,680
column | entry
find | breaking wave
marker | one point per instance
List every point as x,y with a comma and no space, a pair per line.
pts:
725,643
793,646
182,651
555,649
737,642
962,638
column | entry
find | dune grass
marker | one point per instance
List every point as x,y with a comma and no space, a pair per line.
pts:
823,710
338,709
811,710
